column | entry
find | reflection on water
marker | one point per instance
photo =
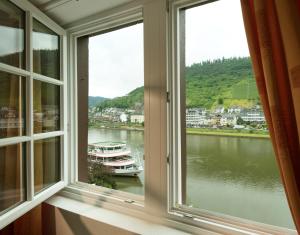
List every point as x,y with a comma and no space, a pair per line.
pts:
241,160
236,176
230,175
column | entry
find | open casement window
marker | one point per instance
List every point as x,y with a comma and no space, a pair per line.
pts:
110,88
32,127
222,162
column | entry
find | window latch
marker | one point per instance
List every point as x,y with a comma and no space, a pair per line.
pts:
168,97
129,201
189,216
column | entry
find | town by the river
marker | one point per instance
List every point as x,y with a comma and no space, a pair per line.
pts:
237,176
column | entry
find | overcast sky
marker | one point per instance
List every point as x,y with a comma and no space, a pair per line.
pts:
213,31
116,62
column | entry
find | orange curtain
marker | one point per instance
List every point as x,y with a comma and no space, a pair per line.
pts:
273,33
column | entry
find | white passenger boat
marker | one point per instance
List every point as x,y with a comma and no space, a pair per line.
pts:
116,156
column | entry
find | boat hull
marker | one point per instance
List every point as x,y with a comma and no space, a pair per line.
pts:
122,172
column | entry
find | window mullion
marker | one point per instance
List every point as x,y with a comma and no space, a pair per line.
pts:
29,119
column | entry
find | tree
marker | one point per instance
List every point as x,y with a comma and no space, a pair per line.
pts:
240,121
101,175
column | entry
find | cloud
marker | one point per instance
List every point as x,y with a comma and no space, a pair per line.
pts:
116,62
215,30
116,59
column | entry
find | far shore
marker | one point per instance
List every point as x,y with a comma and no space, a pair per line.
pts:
190,131
197,131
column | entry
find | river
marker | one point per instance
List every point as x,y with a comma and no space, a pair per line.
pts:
231,175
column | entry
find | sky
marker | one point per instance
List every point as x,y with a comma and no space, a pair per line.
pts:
116,62
213,31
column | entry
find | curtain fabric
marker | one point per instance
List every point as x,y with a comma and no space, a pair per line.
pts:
273,34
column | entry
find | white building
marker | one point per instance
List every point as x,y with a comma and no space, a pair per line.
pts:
137,118
195,117
228,120
253,116
123,117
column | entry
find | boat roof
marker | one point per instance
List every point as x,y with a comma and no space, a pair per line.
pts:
110,155
108,144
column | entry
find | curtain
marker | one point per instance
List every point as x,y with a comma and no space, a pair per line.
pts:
273,34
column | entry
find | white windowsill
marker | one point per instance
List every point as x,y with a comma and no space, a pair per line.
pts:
133,217
113,218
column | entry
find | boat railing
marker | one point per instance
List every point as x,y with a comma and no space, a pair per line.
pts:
101,150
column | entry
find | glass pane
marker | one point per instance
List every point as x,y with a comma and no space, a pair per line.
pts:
47,154
230,162
116,110
46,58
12,24
46,107
12,176
12,105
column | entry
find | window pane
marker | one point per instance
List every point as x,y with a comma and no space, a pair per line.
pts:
12,105
12,176
229,162
12,24
46,58
116,110
47,154
46,105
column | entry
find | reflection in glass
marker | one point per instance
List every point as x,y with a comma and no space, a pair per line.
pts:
12,176
12,105
46,163
46,105
12,23
45,51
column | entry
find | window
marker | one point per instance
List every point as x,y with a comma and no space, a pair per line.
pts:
172,147
223,158
45,51
32,127
112,155
12,35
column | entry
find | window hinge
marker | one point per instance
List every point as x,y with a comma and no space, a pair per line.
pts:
168,97
168,159
167,6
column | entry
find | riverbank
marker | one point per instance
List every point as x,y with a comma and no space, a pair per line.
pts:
228,133
198,131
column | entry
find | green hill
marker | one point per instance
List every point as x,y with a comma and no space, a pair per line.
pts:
225,82
95,100
133,99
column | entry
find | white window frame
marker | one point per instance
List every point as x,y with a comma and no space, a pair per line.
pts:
194,216
160,64
153,15
33,200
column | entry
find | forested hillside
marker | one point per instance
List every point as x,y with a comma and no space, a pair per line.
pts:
95,100
225,82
